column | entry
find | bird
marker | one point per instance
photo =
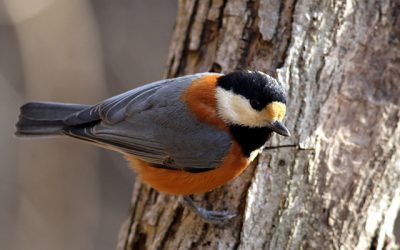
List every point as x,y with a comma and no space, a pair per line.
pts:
183,136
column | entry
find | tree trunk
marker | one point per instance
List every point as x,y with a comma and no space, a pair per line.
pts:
335,181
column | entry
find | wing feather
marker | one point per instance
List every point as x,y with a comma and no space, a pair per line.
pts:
152,123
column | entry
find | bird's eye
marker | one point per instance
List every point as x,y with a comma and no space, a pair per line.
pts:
256,104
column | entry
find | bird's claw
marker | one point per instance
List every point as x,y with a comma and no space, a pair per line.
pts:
215,216
209,215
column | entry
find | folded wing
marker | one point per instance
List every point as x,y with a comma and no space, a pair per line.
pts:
153,124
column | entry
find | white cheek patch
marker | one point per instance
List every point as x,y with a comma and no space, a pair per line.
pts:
236,109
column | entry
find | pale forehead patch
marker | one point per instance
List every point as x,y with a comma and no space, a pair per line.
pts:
236,109
275,111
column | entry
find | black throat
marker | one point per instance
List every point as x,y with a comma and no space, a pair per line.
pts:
250,139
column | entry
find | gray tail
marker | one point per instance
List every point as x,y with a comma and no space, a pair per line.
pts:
44,118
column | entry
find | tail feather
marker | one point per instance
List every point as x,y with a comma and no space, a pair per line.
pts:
44,118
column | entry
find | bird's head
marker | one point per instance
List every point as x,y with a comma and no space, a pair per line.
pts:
252,99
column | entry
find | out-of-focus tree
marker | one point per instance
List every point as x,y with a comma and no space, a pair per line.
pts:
57,193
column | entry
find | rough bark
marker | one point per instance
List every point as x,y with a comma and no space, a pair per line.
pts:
335,183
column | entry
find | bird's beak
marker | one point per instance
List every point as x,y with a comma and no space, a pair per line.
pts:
279,128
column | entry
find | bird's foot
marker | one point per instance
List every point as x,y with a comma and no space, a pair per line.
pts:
209,215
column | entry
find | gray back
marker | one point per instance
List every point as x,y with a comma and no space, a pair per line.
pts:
153,124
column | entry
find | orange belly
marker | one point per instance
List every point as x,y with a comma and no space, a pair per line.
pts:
180,182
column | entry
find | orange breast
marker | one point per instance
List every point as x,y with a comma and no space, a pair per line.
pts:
180,182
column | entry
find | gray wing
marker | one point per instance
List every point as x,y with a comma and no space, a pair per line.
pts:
153,124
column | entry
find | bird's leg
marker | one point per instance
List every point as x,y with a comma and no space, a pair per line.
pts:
208,215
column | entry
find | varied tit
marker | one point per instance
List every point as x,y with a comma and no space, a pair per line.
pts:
183,135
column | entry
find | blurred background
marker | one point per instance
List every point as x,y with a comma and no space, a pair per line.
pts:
59,193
